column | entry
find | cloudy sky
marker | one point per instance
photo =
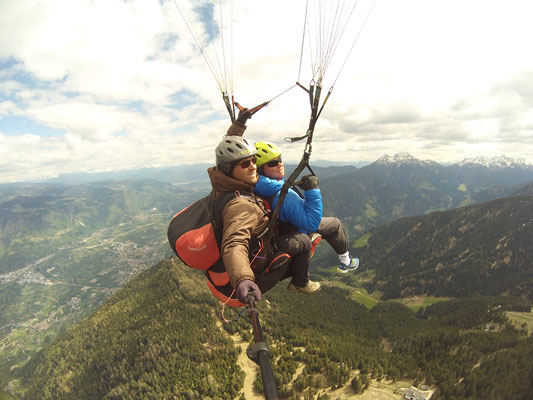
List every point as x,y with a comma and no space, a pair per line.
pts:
92,85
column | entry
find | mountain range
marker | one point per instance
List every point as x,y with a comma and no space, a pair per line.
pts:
183,174
388,189
399,186
417,241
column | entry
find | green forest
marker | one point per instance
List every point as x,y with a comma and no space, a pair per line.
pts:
160,337
484,249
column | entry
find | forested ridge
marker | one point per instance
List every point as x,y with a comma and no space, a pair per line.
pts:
484,249
158,338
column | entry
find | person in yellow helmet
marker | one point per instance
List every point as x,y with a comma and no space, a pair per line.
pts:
303,214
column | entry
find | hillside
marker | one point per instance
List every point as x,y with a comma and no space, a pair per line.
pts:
158,338
160,324
524,190
482,249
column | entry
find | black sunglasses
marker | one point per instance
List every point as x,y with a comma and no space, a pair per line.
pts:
274,163
247,163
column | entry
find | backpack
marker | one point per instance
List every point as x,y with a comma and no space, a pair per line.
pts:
195,234
196,231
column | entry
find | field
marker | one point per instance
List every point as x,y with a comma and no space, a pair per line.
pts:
521,319
417,302
361,296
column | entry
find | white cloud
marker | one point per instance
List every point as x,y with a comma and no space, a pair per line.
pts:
122,85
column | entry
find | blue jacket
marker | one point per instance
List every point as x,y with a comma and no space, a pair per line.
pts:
305,214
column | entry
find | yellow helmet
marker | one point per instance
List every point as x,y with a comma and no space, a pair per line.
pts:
266,151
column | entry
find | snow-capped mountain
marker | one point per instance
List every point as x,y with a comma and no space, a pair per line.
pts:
498,162
475,175
403,158
490,163
492,171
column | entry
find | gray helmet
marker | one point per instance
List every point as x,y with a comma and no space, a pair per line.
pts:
232,149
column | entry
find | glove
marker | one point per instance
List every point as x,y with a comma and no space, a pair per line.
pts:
309,182
245,286
244,115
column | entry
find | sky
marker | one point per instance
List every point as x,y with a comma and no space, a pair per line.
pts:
98,85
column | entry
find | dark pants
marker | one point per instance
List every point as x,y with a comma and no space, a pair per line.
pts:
298,246
332,231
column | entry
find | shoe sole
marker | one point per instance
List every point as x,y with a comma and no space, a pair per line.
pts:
300,291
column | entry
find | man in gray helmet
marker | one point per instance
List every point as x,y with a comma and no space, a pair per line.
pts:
244,218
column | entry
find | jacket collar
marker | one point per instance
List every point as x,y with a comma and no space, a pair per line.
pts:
223,183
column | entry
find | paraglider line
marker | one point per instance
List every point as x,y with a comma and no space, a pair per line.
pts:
355,41
335,37
200,49
303,40
285,91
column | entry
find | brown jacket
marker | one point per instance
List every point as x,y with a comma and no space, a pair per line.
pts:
242,218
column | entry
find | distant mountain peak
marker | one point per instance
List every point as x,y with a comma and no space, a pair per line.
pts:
397,158
402,158
497,162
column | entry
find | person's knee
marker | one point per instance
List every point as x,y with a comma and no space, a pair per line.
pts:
336,223
330,224
299,243
305,241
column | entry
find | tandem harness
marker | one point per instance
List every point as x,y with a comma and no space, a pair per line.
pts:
195,235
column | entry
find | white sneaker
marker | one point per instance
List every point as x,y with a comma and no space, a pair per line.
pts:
354,263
